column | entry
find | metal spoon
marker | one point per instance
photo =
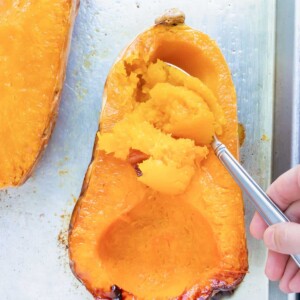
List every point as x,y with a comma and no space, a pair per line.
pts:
269,211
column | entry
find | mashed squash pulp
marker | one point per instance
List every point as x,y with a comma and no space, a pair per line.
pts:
172,124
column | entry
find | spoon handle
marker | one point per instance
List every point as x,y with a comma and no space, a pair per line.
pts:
262,202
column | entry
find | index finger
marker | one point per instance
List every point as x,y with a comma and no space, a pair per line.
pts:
286,188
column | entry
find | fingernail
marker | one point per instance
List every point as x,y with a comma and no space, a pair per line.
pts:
269,238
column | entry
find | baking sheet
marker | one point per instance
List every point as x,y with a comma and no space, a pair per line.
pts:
34,218
286,141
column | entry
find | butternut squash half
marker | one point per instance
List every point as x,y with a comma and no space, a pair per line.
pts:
34,42
159,217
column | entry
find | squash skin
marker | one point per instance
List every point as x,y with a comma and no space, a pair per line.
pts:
210,175
22,171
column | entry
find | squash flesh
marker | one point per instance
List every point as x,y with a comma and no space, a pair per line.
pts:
34,38
154,271
170,109
107,248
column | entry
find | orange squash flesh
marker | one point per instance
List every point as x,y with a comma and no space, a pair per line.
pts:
172,126
156,245
34,40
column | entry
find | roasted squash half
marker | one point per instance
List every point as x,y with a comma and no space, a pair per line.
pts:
159,217
34,42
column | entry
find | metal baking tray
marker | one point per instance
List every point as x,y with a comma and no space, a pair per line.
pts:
34,218
286,141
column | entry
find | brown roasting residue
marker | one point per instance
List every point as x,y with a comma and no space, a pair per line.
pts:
62,239
63,172
241,134
265,138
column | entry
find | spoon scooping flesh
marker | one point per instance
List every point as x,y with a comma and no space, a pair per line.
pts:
269,211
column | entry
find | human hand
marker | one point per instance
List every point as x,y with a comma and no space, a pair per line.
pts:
284,238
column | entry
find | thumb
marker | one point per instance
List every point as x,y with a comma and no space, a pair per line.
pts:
283,238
